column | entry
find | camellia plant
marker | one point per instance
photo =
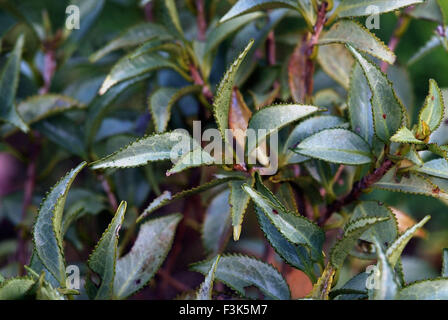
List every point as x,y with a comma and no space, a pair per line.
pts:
252,142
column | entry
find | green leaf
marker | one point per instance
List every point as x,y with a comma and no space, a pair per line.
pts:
404,135
352,33
384,232
305,129
353,231
337,62
99,107
388,111
219,33
161,102
221,103
445,263
239,272
273,118
436,289
15,288
296,229
359,106
433,111
130,67
247,6
170,5
167,198
430,10
386,281
217,224
156,147
47,232
238,200
206,288
9,80
413,183
357,8
395,250
195,158
306,8
337,146
433,43
353,289
437,168
103,258
132,37
136,268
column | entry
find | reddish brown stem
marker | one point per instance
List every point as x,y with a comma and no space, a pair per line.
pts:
201,22
176,284
356,191
148,11
197,79
270,49
110,195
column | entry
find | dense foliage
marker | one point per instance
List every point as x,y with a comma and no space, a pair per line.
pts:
278,148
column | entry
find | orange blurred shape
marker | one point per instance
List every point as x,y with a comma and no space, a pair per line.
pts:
299,283
405,222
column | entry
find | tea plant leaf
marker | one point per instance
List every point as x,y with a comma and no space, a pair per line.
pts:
359,106
430,10
170,5
433,111
413,183
219,33
337,62
437,168
395,250
195,158
136,268
238,200
247,6
9,80
129,67
387,283
429,46
161,102
167,198
47,232
133,37
435,289
103,258
15,288
337,146
217,224
404,135
205,290
353,231
305,129
388,111
296,229
356,8
273,118
221,104
156,147
352,33
239,272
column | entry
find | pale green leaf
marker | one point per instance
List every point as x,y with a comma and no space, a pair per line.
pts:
247,6
358,8
103,259
132,37
217,224
386,285
239,272
404,135
437,168
206,288
388,111
9,80
161,102
395,250
296,229
353,231
433,43
195,158
430,10
15,288
136,268
221,104
433,111
352,33
336,146
436,289
238,201
359,105
337,62
170,5
47,232
305,129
